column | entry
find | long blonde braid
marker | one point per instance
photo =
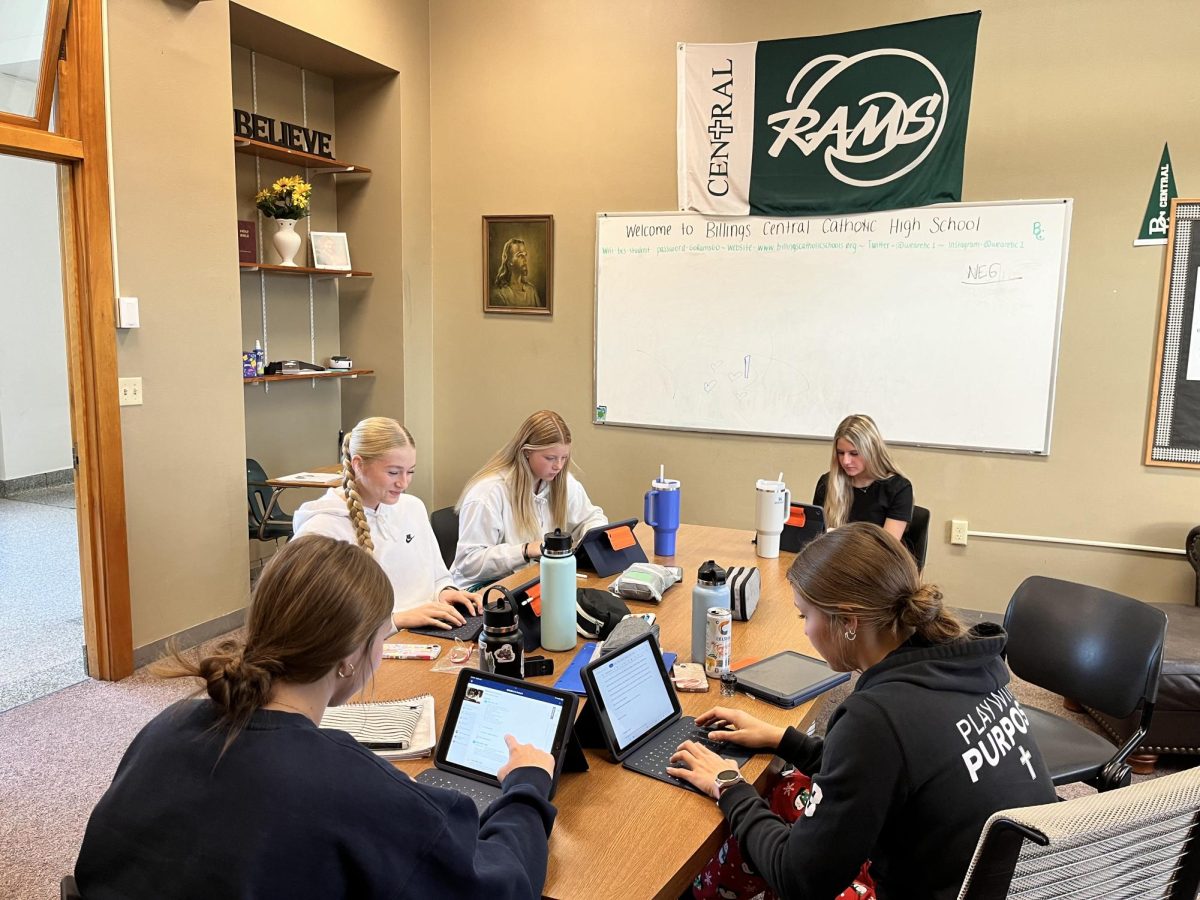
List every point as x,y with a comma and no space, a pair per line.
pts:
358,518
369,439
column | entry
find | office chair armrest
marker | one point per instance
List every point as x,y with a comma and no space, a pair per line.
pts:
996,858
1116,773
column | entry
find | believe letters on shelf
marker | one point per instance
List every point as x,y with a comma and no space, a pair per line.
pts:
282,134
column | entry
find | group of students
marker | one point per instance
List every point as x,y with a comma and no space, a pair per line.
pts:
241,794
523,491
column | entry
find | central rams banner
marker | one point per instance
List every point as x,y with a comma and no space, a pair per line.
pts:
865,120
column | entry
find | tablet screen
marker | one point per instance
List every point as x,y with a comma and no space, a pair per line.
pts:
789,674
634,698
489,709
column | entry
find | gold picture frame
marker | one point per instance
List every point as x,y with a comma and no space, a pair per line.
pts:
518,265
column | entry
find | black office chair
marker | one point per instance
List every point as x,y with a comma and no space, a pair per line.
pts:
266,522
68,890
445,529
1098,648
916,535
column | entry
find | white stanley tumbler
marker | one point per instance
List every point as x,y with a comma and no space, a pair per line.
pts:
774,503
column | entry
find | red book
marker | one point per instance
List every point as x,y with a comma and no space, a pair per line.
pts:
247,241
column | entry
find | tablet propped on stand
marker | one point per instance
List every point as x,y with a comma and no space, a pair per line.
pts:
789,678
608,549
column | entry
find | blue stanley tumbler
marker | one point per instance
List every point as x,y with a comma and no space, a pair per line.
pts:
662,514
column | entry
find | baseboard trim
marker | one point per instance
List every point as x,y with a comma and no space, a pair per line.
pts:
190,637
40,481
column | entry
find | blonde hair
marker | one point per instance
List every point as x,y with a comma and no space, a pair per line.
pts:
863,571
316,602
543,429
861,431
369,439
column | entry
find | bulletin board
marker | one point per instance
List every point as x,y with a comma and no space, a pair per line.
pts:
1173,432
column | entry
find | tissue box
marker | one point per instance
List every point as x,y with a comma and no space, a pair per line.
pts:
249,367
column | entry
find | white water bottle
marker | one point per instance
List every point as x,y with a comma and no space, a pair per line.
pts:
558,592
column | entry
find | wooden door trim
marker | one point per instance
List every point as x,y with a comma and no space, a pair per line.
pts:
89,298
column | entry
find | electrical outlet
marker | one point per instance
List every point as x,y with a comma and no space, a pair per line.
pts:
130,391
958,532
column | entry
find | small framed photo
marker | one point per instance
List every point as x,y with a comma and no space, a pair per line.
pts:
330,250
518,265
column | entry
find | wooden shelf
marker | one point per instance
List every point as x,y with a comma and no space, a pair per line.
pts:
303,270
338,373
321,164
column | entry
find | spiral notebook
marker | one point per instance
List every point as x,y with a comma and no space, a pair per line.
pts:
393,729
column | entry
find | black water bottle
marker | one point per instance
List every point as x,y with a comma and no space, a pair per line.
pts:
501,647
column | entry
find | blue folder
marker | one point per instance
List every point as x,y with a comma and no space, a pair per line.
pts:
572,679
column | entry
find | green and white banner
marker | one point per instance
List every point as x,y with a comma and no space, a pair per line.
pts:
1158,209
865,120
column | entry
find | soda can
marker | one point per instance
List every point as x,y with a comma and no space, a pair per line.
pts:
718,643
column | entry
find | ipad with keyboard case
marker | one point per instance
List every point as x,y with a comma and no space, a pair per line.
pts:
485,707
638,713
523,596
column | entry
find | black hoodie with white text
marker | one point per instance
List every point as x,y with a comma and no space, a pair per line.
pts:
928,745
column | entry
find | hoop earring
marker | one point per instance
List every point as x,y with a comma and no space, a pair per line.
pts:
342,674
850,635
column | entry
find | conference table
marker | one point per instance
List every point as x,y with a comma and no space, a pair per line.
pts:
618,833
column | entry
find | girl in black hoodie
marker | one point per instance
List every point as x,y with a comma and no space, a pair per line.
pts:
929,744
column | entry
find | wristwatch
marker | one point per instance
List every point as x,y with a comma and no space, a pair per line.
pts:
727,779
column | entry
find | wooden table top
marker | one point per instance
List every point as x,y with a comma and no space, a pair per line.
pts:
334,472
618,833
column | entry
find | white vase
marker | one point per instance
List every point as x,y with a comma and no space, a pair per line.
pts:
287,242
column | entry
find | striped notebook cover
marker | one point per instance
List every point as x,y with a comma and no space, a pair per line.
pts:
386,725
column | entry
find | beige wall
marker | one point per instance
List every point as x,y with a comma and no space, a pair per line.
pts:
173,182
176,203
1072,99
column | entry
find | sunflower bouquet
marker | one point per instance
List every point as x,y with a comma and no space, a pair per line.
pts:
287,198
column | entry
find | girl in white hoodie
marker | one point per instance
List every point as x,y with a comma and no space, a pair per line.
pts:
371,509
522,492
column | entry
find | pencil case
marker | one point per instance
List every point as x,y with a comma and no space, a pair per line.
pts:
745,584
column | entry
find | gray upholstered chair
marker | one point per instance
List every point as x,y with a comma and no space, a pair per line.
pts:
1135,843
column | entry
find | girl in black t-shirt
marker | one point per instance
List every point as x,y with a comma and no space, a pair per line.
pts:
863,484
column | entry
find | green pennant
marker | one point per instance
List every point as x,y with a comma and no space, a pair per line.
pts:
1158,209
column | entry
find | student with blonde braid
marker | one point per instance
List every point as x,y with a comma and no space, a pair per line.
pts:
863,484
371,509
240,794
928,745
524,491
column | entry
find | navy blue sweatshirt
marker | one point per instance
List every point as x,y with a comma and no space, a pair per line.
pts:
295,811
929,744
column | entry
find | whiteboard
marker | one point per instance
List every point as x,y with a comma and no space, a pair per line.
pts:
942,323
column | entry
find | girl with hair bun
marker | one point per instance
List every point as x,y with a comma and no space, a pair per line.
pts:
863,484
927,746
241,794
371,509
524,491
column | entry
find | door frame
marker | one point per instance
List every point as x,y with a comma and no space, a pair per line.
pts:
80,148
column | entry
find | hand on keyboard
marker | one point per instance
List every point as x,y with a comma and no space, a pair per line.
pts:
698,766
738,727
